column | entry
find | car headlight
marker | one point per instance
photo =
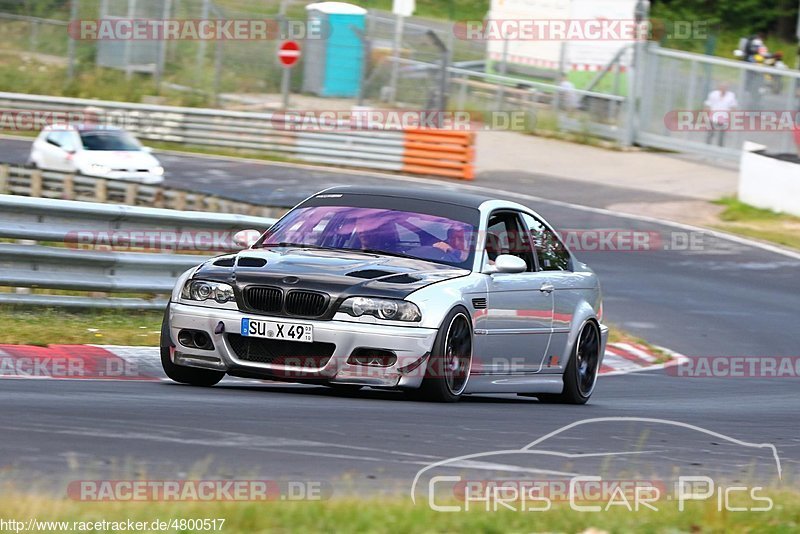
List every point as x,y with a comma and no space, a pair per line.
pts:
201,290
96,168
158,171
387,309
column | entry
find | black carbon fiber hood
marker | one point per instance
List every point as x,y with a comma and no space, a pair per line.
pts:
339,274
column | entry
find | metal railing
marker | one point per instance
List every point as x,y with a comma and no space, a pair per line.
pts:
98,248
25,181
675,81
548,105
292,135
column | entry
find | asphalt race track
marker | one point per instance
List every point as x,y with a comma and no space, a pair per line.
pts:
720,298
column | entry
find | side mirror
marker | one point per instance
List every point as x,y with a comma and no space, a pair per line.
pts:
506,263
246,238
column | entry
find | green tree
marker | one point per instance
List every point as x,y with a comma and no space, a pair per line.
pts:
746,16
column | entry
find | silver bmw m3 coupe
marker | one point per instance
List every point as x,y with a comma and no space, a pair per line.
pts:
435,293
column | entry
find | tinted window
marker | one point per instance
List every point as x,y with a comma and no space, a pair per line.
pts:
394,232
551,253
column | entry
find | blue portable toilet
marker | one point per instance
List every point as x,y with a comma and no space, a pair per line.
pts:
332,65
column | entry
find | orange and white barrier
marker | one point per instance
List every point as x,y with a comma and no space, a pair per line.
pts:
439,153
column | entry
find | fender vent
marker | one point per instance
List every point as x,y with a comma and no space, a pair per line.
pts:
479,304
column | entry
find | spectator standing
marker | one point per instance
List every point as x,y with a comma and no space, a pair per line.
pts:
719,104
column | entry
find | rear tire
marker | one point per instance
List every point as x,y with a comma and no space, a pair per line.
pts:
451,358
180,373
580,376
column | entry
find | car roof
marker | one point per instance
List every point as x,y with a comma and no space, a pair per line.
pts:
468,200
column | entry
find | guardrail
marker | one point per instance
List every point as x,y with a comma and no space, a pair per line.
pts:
19,180
438,153
98,249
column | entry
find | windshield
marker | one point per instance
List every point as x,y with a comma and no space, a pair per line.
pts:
393,232
109,141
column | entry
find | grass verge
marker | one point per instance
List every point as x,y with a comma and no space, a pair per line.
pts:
743,219
48,326
401,515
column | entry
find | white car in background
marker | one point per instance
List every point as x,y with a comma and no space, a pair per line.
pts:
94,150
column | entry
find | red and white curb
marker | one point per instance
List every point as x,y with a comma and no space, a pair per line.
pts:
625,358
116,362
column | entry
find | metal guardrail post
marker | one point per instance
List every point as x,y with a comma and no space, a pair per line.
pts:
131,193
100,191
36,183
4,178
68,187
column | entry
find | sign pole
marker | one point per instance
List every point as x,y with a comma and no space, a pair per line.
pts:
285,86
288,55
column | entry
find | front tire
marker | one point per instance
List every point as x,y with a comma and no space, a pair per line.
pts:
180,373
451,359
580,376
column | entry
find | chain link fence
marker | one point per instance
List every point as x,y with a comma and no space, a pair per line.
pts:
431,68
677,87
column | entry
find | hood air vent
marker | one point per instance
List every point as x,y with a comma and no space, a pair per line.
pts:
250,261
369,274
225,262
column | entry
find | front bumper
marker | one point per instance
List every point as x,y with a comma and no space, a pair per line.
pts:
411,345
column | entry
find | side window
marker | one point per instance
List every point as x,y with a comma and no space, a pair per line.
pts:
504,235
68,141
54,138
551,253
62,139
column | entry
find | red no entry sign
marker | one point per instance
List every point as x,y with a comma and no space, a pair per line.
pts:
289,53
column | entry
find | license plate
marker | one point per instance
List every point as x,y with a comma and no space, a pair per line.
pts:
276,330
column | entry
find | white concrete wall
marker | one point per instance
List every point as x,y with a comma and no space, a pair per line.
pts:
768,182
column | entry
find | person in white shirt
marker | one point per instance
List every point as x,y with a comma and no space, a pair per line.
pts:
720,103
568,97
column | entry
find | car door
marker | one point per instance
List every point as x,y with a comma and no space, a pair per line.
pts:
48,147
519,315
555,264
55,153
